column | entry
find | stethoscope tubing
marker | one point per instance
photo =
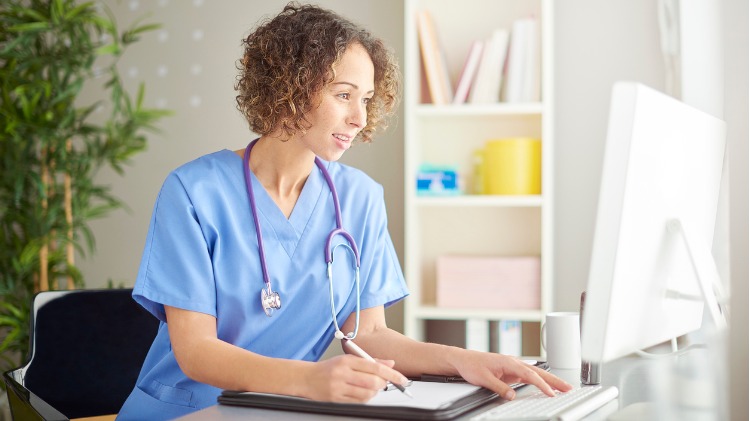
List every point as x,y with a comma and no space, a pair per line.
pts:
339,230
256,220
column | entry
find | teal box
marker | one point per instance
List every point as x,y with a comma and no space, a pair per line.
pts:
434,180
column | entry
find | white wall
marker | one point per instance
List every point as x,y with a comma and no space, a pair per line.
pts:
736,113
596,43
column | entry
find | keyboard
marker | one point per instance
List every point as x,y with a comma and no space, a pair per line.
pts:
568,406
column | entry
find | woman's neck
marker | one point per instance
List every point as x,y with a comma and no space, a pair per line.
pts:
282,169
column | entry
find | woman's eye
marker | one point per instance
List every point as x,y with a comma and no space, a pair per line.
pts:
344,95
367,100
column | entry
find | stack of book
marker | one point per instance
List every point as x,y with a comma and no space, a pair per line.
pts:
505,67
501,336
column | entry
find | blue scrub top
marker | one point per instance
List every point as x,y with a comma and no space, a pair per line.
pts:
201,254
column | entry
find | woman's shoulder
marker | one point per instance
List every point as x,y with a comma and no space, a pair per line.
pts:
208,163
348,177
214,168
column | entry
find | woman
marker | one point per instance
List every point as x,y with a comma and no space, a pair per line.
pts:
234,264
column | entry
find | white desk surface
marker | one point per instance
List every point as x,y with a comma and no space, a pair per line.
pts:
650,389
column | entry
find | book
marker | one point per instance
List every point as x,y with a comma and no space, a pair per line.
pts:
468,72
531,91
509,337
516,62
523,80
433,60
489,77
477,334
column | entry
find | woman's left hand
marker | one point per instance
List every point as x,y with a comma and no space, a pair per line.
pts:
496,371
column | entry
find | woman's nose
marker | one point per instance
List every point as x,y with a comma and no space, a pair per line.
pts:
358,115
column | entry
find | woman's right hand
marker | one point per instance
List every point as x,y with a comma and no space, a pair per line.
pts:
347,378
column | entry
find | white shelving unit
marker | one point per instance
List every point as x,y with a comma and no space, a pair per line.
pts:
447,135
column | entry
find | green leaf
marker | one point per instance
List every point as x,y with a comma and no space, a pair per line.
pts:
132,35
74,12
13,310
56,11
104,24
8,321
30,27
10,338
31,13
141,94
109,49
11,46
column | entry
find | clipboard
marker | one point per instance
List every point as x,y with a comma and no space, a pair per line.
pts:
432,401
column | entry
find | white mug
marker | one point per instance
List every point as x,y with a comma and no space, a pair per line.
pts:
561,339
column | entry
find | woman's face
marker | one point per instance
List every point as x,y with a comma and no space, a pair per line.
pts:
342,112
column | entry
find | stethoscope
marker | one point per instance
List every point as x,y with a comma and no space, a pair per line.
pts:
270,299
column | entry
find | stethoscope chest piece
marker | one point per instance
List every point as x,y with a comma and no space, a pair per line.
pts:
270,301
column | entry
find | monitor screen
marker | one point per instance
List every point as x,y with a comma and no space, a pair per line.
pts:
660,184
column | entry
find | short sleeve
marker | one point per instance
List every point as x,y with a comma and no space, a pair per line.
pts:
385,284
176,268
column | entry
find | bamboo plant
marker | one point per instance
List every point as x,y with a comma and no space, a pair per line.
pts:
52,145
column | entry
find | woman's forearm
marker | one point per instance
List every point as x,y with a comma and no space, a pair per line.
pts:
226,366
412,358
206,359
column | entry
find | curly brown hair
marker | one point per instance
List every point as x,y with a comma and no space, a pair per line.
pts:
289,60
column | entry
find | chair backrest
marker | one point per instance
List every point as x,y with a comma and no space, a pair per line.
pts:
87,348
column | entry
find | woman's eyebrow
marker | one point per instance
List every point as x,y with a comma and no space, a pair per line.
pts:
352,85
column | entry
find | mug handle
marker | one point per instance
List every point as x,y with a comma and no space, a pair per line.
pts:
542,336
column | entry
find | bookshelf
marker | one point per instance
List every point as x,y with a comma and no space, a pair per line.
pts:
447,134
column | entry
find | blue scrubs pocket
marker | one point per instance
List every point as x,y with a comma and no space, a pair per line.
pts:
168,394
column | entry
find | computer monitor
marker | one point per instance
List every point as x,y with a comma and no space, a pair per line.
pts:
651,266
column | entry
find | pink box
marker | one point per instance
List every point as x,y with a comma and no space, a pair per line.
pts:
507,283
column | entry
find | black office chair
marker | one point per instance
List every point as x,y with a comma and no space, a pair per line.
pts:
87,348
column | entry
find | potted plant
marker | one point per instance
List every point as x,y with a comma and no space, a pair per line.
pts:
51,146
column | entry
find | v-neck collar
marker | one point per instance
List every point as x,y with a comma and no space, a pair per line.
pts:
273,221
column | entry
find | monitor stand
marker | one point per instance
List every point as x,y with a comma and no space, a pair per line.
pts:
705,270
712,291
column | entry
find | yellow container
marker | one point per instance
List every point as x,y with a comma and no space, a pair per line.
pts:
513,166
477,162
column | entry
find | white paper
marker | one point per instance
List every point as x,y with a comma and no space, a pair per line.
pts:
427,395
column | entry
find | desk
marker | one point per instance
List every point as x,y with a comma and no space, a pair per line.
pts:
641,381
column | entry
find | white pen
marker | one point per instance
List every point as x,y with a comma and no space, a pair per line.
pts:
361,352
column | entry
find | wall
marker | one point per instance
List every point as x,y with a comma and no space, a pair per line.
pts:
625,48
736,113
